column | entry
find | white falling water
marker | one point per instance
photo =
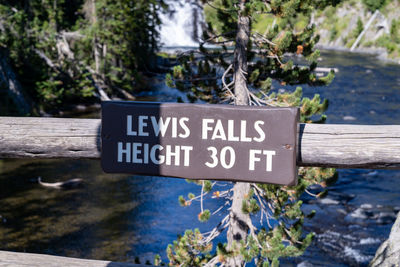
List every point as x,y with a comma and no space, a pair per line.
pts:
183,26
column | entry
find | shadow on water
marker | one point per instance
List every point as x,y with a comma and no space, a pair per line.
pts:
63,222
121,217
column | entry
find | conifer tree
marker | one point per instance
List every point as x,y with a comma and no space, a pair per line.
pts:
247,77
66,51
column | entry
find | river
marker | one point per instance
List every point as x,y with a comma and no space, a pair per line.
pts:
126,218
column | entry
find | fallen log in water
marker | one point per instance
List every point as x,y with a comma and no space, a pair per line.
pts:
69,184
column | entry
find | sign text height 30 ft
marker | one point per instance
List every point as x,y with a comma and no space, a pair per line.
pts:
200,141
211,129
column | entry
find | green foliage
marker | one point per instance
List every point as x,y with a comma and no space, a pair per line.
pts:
64,50
395,31
207,186
359,28
207,76
262,22
352,36
391,41
50,90
250,206
333,32
385,41
157,260
131,38
182,201
373,5
188,250
204,216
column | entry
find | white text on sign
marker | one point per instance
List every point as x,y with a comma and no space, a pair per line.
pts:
180,155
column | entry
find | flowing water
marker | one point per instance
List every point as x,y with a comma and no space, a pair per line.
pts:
121,217
182,24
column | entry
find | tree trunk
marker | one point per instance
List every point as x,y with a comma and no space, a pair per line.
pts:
238,228
91,14
95,43
240,58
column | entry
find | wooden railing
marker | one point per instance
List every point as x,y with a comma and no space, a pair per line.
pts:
339,145
328,145
19,259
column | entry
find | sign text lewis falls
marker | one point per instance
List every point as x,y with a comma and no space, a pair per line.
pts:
200,141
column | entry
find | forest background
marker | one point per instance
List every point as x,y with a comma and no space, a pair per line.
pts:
56,54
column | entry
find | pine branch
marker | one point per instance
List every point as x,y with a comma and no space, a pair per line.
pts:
220,9
227,86
218,36
261,38
216,231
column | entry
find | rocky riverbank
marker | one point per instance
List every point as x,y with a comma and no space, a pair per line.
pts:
353,26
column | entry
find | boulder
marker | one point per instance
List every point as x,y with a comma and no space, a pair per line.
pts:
388,254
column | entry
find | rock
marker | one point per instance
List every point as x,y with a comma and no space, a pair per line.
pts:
349,118
382,24
369,241
304,264
329,201
359,214
342,211
356,255
366,206
388,253
373,173
385,217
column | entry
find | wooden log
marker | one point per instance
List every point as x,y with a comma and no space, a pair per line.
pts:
18,259
349,146
22,137
329,145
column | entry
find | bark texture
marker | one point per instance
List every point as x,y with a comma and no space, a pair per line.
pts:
240,58
238,228
49,138
349,146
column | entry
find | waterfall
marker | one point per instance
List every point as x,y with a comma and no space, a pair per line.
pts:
182,25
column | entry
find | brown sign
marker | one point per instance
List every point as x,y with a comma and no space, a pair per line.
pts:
219,142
